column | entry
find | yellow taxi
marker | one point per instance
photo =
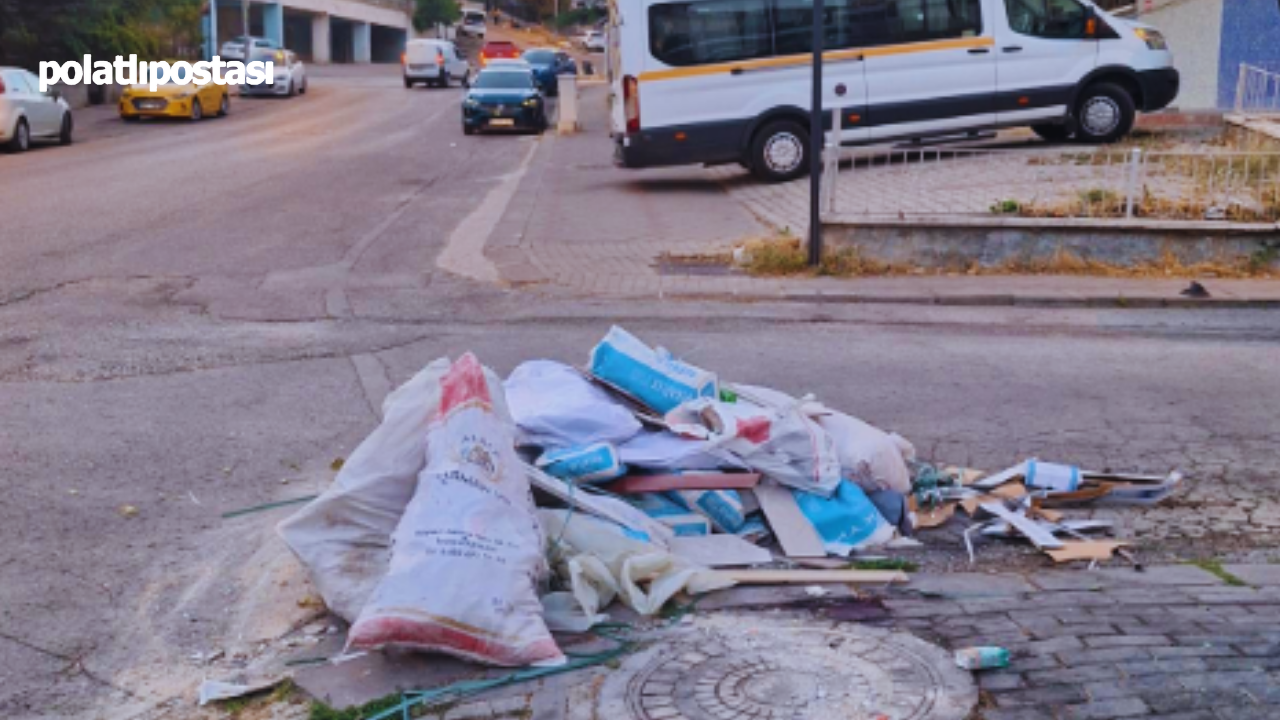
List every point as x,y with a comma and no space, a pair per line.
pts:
175,101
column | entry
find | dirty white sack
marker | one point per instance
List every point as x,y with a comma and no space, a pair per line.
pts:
468,551
556,407
869,457
343,537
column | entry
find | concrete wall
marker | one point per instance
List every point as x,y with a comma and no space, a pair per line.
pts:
1194,31
323,31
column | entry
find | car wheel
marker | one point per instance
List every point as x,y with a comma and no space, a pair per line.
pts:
468,130
131,118
293,89
64,135
21,141
224,105
780,151
408,83
197,110
444,78
1104,114
1052,133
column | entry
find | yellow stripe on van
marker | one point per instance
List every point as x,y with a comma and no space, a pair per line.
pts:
805,59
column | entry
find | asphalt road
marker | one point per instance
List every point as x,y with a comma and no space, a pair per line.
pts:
200,318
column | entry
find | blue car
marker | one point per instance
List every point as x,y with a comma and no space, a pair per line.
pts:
504,97
548,65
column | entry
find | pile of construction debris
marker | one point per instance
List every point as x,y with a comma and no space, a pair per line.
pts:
484,514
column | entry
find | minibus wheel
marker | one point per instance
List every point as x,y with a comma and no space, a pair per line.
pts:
780,151
1104,114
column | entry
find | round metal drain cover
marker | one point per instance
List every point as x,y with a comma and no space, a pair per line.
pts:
726,667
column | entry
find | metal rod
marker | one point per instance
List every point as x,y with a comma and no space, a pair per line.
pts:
1131,188
815,136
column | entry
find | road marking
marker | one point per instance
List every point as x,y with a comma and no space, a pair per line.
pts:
463,254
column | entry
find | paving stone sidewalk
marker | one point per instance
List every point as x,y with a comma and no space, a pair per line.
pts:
578,223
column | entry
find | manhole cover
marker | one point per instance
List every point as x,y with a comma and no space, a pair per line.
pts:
727,667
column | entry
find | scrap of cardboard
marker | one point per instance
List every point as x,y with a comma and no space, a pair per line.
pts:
935,516
1085,550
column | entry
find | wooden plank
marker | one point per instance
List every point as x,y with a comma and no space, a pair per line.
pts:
719,551
794,531
785,577
636,484
1000,478
1038,535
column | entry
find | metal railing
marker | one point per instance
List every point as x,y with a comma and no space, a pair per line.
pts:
1054,182
1257,91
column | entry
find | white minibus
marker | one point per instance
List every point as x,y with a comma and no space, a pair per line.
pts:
723,81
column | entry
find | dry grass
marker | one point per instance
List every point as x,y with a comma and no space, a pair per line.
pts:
786,257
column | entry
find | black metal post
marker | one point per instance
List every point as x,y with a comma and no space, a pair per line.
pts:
816,137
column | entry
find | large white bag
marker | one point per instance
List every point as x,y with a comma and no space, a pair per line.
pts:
555,406
344,536
870,457
468,552
769,432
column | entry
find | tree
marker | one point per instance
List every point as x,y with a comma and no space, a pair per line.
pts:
61,30
429,13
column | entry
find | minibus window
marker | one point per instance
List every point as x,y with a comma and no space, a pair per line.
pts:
709,31
1052,19
848,24
923,20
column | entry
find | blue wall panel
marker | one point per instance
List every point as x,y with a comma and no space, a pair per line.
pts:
1250,34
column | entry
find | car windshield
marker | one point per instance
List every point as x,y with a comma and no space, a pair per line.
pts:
540,57
504,81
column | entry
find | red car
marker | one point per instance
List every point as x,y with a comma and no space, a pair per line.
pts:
495,49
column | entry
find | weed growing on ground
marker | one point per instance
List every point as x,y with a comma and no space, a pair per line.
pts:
1214,567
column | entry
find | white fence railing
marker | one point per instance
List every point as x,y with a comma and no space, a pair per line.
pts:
1257,91
1062,182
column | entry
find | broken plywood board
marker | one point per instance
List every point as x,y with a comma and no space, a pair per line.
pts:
636,484
715,551
812,577
1038,535
792,529
1085,550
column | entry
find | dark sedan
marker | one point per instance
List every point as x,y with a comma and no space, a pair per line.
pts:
504,97
548,65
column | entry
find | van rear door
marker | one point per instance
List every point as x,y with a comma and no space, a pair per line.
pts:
930,66
1043,55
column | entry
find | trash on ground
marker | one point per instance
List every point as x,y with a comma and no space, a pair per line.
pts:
216,690
982,658
482,515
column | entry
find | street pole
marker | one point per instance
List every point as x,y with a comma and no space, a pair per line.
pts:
244,25
816,138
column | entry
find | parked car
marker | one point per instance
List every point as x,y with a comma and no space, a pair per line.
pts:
495,49
473,24
593,41
506,98
548,65
434,62
234,49
695,83
289,74
175,101
27,114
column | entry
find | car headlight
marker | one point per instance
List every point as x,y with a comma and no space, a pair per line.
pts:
471,103
1153,38
531,102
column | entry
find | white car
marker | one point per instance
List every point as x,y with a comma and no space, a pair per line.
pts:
593,41
434,62
289,75
473,24
27,114
233,49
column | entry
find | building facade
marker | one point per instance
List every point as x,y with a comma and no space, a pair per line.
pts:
1210,39
320,31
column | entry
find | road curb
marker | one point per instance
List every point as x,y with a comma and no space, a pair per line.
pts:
1000,300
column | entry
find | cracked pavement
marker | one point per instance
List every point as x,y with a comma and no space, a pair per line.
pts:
196,319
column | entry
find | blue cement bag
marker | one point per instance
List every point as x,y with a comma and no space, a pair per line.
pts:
652,376
846,521
682,521
722,507
584,464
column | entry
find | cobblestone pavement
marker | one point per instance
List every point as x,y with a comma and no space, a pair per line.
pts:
1173,642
